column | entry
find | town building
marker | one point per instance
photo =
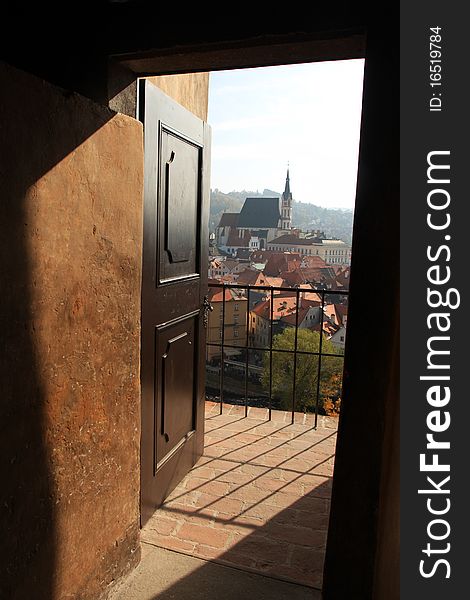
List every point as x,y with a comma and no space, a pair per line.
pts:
338,338
220,267
228,315
284,314
338,316
260,220
333,252
257,223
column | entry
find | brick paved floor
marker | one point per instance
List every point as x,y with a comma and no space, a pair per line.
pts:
258,499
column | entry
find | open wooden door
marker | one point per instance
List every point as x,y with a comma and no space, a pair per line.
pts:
175,254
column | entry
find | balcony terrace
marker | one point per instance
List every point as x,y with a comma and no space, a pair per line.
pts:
258,499
257,502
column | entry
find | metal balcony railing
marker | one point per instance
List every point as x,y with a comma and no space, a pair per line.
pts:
237,349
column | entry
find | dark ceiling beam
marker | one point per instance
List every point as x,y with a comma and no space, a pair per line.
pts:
252,52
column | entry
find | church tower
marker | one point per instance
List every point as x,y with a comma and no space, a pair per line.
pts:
286,205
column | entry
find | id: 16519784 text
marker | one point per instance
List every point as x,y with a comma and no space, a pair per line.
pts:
435,68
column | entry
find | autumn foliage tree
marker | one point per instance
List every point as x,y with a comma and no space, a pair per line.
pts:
306,372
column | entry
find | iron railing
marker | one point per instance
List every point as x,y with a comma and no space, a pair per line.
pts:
249,345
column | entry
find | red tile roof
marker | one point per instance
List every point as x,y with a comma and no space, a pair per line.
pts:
309,301
250,277
313,262
291,319
217,295
282,261
311,297
292,278
228,278
274,281
343,277
337,312
261,255
282,306
263,309
328,328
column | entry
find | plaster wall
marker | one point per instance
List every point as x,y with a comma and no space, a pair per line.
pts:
190,89
70,279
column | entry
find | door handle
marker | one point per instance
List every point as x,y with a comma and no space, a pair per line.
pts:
206,308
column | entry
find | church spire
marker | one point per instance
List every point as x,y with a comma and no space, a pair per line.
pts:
286,205
287,188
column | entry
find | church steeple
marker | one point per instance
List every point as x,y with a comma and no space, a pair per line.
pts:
286,204
287,192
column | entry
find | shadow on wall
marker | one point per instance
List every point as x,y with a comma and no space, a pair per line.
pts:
34,138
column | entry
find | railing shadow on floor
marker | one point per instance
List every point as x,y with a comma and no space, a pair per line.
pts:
273,568
278,532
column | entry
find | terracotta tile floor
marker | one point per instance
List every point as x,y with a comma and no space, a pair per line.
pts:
258,499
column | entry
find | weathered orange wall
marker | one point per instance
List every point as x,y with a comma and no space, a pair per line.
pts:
71,182
191,90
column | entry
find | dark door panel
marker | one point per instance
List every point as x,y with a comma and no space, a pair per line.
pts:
180,167
176,396
176,215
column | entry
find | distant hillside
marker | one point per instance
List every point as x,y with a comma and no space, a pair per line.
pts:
335,223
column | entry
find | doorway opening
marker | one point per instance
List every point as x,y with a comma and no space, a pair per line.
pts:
258,498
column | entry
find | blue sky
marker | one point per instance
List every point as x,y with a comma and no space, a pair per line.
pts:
307,115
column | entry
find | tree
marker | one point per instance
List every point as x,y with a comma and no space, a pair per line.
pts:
331,395
306,371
